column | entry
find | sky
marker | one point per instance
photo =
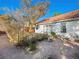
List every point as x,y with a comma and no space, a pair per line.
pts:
60,6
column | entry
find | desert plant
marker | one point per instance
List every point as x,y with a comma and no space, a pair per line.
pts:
20,21
41,37
54,34
32,46
22,43
30,41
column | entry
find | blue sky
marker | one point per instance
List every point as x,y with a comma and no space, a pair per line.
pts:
60,6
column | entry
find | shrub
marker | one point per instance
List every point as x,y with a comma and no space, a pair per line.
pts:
37,37
54,34
30,41
41,37
22,43
32,47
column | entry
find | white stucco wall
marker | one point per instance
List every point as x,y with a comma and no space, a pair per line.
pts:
40,29
56,28
72,28
43,28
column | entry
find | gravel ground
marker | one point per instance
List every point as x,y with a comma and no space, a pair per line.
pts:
45,49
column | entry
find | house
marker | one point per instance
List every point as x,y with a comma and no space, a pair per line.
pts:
63,24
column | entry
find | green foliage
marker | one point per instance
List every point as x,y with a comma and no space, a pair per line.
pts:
30,41
26,43
54,34
22,43
32,46
41,37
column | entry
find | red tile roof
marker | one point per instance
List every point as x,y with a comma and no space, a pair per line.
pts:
73,14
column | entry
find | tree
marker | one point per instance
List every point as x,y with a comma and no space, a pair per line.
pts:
35,11
18,21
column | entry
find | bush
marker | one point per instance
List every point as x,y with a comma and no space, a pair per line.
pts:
26,43
22,43
30,41
32,47
54,34
41,37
